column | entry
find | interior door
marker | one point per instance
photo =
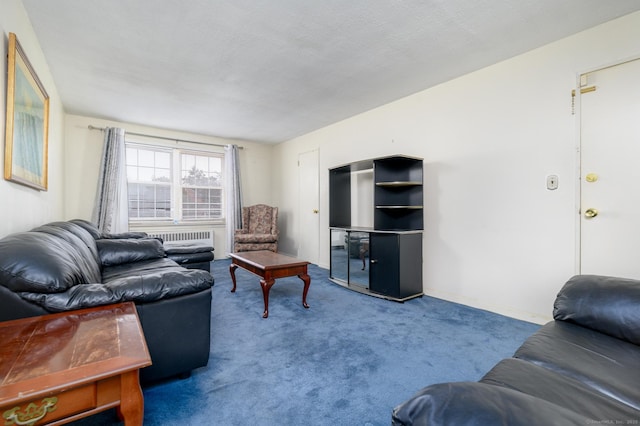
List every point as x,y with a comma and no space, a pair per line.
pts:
610,172
308,206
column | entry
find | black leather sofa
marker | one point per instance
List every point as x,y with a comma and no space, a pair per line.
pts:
582,368
63,266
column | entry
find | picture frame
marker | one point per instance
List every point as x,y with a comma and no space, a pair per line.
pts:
27,122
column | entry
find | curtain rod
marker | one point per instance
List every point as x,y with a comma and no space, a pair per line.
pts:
163,137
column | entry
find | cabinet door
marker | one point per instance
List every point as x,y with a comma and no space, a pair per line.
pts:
385,264
396,264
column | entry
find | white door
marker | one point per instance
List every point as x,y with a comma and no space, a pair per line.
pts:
308,207
610,172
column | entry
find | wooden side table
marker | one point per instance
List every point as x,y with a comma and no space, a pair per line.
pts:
62,367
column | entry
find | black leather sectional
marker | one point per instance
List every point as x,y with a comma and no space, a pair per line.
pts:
63,266
582,368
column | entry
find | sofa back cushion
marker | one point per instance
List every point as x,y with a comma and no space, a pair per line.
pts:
39,262
81,242
609,305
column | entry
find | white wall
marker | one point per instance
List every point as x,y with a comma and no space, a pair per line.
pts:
84,149
22,207
495,237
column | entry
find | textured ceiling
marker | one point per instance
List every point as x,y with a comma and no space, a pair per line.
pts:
271,70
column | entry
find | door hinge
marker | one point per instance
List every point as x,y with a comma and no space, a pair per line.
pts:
584,90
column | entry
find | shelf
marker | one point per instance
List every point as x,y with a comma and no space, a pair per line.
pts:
400,207
399,183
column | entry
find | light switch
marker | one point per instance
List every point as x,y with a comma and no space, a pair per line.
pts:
552,182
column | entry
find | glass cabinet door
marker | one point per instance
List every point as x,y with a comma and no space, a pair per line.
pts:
350,257
358,243
339,255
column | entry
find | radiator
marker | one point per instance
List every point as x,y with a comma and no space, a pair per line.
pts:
202,237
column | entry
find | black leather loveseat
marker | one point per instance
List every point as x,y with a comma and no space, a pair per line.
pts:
583,368
63,266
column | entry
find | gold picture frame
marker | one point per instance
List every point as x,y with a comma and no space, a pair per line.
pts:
27,123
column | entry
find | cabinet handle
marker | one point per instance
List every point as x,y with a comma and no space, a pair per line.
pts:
373,261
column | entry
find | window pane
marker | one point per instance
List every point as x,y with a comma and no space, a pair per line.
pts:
132,173
163,159
145,174
132,156
149,176
145,158
162,175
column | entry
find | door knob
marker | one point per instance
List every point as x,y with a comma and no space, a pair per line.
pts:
590,213
315,211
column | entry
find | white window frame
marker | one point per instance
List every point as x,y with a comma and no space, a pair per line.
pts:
176,149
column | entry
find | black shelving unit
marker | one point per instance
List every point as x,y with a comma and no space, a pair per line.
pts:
398,195
384,260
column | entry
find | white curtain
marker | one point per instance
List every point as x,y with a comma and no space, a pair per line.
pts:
234,193
110,212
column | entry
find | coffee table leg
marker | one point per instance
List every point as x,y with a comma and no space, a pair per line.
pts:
232,271
131,409
307,281
266,286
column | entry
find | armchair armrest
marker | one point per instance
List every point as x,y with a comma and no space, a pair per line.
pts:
609,305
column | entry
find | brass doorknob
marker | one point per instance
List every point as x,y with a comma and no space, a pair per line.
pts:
315,211
590,213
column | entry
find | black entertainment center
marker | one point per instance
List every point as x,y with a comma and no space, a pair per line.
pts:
382,258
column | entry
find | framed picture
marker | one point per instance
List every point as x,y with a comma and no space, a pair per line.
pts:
25,158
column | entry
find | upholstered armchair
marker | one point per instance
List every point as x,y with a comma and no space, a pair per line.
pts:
259,229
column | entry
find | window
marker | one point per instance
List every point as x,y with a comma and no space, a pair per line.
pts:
201,186
173,184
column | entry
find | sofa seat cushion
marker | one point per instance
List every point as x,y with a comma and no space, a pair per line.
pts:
472,403
185,258
139,282
187,248
534,380
145,267
602,362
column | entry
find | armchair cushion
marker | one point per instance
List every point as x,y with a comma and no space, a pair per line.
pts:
259,229
256,238
260,219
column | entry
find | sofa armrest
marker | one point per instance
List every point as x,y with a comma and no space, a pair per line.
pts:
609,305
118,251
471,403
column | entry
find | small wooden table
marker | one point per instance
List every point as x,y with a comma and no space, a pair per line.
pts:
62,367
269,266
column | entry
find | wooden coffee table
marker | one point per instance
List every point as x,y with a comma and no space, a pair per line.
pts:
62,367
269,266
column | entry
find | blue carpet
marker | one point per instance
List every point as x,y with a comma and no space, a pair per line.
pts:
348,360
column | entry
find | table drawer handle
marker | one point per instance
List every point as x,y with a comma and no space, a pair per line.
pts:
32,413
